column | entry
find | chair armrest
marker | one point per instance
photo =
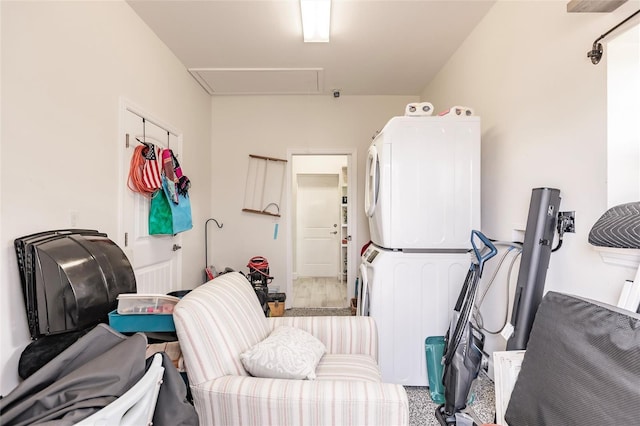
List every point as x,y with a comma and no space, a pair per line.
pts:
340,334
245,400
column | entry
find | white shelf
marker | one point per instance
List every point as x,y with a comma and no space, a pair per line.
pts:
344,211
629,258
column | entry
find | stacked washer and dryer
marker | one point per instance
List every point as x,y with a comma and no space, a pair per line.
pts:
422,198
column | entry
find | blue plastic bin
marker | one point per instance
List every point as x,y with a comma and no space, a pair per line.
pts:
132,323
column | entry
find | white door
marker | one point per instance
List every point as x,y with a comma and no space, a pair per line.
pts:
318,219
156,260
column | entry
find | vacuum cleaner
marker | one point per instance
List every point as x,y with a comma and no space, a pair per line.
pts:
463,342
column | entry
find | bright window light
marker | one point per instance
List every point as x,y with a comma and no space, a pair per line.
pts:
623,129
316,16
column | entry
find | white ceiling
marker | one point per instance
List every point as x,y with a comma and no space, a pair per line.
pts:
377,47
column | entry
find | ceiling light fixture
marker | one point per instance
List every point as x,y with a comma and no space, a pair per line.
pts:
316,17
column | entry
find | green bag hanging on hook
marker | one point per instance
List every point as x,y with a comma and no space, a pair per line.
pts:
160,217
167,217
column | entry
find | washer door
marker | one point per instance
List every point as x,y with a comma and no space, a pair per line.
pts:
372,183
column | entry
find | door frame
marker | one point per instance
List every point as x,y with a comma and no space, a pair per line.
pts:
352,194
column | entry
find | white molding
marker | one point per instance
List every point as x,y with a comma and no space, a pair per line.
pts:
629,258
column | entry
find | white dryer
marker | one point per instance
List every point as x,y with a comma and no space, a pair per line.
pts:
422,186
411,296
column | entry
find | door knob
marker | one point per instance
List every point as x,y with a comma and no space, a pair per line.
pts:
176,247
334,232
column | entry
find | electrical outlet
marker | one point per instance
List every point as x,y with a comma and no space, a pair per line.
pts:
73,218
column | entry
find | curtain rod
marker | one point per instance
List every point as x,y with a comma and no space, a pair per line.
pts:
596,50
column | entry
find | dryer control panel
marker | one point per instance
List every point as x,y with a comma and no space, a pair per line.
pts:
370,255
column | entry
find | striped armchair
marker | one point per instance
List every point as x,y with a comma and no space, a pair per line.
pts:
219,320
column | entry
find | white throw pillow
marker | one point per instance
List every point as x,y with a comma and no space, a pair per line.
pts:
287,353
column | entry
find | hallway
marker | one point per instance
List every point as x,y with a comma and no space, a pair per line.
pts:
319,292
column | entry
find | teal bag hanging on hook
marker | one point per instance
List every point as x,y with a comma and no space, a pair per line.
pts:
181,211
167,217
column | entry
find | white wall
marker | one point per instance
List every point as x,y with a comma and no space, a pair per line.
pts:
65,66
269,126
544,123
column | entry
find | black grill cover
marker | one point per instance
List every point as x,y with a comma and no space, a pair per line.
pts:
71,279
581,367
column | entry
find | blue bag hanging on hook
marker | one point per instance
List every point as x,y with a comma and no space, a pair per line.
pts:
181,211
167,217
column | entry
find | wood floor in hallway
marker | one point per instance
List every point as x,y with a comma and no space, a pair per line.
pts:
319,292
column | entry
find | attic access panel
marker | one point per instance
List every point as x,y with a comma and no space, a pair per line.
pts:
259,81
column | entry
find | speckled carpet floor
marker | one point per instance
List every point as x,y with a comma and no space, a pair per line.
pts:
321,312
421,408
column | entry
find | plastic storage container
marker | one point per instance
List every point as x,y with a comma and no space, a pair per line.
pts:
434,350
134,303
132,323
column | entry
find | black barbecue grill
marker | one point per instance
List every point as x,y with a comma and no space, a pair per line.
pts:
71,279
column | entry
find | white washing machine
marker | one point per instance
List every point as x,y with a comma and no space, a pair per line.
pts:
411,296
422,184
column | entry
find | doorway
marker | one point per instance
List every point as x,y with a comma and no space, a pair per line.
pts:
319,246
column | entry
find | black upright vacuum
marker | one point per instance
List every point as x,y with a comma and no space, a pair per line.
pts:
463,342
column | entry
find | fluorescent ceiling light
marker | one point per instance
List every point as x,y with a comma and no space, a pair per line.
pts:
316,16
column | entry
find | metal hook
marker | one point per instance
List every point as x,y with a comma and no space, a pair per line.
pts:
206,240
212,219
